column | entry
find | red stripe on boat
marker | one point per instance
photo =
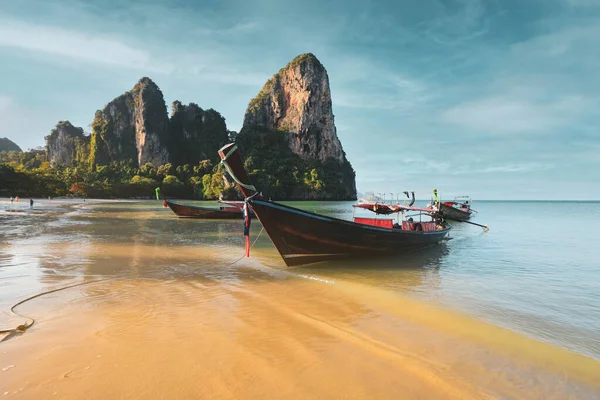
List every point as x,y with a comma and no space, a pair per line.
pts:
384,223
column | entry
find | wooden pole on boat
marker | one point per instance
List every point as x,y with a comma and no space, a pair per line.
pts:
485,227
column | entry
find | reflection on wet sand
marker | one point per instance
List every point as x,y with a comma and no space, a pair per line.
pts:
180,320
402,274
199,336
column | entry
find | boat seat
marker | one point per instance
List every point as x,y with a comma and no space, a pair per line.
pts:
425,226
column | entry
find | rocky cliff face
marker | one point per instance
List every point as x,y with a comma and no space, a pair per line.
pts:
289,137
64,143
295,105
132,126
297,102
8,145
195,134
151,123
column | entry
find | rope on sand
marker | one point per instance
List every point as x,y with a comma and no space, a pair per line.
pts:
23,327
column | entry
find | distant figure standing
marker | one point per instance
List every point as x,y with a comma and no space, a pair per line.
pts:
17,199
30,203
11,199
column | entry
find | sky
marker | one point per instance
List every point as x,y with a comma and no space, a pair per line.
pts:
494,99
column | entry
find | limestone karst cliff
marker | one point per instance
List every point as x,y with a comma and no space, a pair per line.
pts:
195,134
132,126
8,145
297,102
65,144
135,126
288,139
294,108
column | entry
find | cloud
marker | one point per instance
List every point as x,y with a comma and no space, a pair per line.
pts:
17,122
77,45
499,115
213,61
363,100
5,102
408,163
514,115
238,29
510,168
455,26
221,73
382,90
583,3
572,46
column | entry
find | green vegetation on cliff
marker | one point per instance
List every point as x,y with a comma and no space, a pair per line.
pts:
274,169
262,96
113,134
195,134
282,175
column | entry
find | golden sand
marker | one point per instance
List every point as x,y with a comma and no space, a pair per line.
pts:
246,334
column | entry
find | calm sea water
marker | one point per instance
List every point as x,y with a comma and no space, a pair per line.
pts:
536,271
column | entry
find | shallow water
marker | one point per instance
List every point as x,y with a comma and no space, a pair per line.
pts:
536,271
179,316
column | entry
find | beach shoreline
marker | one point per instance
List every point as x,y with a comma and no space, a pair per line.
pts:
167,314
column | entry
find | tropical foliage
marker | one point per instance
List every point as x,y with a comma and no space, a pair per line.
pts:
29,174
281,174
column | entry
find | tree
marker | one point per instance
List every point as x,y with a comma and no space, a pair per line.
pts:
203,168
148,170
171,180
165,170
78,189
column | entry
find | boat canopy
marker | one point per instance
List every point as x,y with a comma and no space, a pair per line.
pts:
386,209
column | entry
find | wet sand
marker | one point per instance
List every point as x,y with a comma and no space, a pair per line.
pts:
177,319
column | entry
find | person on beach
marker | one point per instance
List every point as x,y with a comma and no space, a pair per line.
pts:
11,199
30,203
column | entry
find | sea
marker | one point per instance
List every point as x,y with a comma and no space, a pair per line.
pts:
529,283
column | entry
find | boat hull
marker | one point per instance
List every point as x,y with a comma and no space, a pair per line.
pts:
189,211
454,214
302,237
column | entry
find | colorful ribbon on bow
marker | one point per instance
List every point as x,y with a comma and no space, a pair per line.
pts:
246,211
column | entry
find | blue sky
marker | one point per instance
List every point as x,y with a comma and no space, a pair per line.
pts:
496,99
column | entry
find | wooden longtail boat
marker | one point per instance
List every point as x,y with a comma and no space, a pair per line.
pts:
303,237
457,210
189,211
